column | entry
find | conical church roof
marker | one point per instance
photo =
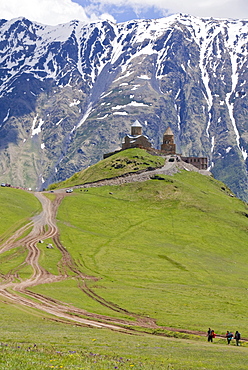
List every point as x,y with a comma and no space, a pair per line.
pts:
168,131
136,124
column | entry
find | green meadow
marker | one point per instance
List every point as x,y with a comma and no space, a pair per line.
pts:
173,249
17,206
32,340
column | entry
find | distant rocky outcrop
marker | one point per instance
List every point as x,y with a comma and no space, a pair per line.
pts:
69,94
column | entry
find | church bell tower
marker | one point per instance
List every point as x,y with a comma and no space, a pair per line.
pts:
168,146
136,128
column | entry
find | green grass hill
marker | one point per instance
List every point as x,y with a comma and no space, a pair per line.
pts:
172,249
175,250
124,162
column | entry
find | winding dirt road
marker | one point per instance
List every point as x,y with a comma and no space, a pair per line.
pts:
44,227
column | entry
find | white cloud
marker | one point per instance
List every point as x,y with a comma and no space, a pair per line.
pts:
201,8
61,11
50,12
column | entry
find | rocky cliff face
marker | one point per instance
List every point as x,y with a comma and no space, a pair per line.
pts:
69,93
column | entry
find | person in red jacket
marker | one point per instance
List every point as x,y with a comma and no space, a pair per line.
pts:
213,335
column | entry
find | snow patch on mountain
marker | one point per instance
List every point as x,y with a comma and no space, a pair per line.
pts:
36,127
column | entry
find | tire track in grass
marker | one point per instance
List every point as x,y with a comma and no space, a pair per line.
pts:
12,242
10,289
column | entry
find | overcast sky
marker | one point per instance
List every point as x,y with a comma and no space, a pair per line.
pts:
60,11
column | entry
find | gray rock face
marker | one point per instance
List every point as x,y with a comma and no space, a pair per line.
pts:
69,93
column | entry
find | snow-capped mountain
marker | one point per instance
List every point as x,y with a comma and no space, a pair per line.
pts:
69,93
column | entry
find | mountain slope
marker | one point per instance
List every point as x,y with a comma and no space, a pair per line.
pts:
69,94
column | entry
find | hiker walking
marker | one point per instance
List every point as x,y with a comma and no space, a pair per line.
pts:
229,336
209,335
237,337
213,335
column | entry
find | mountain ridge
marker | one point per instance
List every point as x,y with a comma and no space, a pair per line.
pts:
70,92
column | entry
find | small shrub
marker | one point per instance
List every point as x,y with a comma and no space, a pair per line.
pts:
157,177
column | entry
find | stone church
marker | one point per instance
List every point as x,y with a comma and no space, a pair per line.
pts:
137,140
168,147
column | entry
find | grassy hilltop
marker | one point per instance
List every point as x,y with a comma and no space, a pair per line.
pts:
174,250
124,162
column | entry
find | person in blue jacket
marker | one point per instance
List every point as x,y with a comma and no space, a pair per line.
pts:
229,337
